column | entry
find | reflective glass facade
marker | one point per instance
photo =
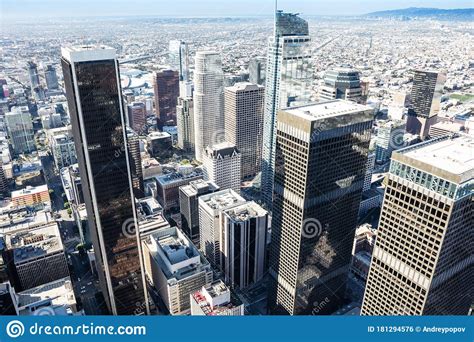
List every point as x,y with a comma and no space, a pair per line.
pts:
97,119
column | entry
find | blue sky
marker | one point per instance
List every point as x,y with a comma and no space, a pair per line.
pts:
68,8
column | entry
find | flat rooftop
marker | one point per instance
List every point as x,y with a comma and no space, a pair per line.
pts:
29,190
222,200
82,53
245,211
453,155
327,109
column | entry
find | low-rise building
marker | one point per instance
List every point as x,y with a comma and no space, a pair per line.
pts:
216,300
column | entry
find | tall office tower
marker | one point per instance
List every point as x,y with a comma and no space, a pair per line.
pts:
208,101
33,75
244,124
257,70
166,88
92,82
135,163
222,164
422,263
185,123
321,157
20,130
179,58
244,233
51,77
288,83
369,170
389,138
211,207
425,101
137,116
189,206
342,83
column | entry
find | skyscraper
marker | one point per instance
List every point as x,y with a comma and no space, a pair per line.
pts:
20,130
244,241
288,83
342,83
222,164
166,88
244,124
92,82
422,263
208,101
185,122
257,71
33,75
179,58
51,77
425,101
321,157
389,138
137,116
188,206
211,207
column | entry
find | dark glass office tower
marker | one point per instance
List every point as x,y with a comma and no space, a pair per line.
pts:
321,156
92,82
425,101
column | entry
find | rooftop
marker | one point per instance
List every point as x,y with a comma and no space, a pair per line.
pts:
88,53
222,200
245,211
215,299
327,109
452,155
29,190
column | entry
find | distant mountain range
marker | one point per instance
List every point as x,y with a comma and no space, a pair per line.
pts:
426,13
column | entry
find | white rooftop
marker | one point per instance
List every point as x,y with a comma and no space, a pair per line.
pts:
455,155
88,53
326,109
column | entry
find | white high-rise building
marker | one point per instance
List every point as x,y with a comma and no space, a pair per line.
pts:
222,164
211,207
208,101
20,130
288,83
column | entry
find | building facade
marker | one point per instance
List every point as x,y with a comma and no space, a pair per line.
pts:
244,241
288,83
208,101
222,164
189,206
342,83
20,129
244,104
422,262
425,101
321,157
92,82
166,88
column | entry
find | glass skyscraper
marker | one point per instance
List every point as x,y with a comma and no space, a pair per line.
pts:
288,83
92,81
321,157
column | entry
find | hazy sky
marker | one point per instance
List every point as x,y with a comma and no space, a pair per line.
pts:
68,8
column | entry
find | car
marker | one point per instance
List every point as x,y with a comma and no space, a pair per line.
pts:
83,291
89,283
